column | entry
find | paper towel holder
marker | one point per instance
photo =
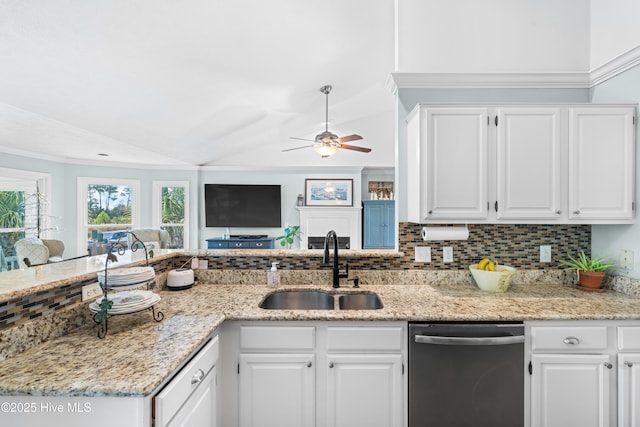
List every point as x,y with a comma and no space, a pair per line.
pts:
445,233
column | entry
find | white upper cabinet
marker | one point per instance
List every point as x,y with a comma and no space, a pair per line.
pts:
448,179
529,153
553,164
601,164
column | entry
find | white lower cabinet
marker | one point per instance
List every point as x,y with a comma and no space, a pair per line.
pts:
584,373
190,398
629,376
364,390
629,390
277,390
570,390
333,374
200,409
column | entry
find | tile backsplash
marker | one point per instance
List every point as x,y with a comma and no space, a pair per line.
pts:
516,245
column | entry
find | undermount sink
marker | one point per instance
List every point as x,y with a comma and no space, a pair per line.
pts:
359,302
299,300
320,300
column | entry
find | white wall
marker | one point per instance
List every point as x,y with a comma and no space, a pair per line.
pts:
609,240
471,36
614,29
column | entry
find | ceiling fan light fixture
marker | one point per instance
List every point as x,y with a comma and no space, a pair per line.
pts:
326,150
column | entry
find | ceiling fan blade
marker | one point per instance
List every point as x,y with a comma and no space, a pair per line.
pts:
297,148
355,148
303,139
349,138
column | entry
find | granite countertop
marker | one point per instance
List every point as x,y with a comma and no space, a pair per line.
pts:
138,354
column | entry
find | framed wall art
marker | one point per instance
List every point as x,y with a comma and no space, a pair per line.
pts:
329,192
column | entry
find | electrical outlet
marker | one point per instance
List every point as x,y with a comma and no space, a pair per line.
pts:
447,253
91,291
423,253
626,259
545,253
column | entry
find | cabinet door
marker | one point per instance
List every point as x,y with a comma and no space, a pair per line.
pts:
364,390
455,163
601,163
378,225
629,390
529,155
200,408
374,223
277,390
570,390
389,230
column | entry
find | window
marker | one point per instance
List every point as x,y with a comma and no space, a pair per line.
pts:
23,211
107,208
171,211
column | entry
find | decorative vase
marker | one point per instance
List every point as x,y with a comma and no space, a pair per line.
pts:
591,279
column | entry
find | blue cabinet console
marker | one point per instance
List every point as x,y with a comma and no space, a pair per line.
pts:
239,242
378,224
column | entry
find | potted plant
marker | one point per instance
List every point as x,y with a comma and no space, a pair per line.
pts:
591,271
291,233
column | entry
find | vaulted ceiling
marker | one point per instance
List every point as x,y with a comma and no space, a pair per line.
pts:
195,82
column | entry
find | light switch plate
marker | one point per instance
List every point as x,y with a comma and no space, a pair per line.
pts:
545,253
447,253
91,291
626,259
423,253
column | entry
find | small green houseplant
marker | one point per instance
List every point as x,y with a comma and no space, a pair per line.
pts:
291,233
591,271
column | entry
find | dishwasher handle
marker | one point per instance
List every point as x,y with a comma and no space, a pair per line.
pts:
438,340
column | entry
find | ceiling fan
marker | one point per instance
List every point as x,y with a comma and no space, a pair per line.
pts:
327,143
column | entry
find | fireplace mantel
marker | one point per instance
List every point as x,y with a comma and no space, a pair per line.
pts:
316,221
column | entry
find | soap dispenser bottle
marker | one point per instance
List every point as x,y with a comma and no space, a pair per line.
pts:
273,275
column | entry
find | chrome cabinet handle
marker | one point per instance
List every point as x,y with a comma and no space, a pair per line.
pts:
576,212
331,365
309,364
558,212
629,364
571,340
197,377
608,365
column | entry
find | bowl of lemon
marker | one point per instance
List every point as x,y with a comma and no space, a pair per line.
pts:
492,277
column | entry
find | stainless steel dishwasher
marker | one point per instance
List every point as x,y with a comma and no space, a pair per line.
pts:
466,374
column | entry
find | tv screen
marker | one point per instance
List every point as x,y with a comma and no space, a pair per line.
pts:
241,205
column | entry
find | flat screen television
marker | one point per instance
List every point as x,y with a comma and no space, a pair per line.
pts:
242,205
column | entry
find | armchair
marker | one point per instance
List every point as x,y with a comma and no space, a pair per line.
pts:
32,251
150,235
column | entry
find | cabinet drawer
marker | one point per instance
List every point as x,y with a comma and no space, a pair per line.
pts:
629,338
568,338
237,244
173,396
217,244
275,338
365,338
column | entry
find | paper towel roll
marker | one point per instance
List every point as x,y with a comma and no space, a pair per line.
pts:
445,233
